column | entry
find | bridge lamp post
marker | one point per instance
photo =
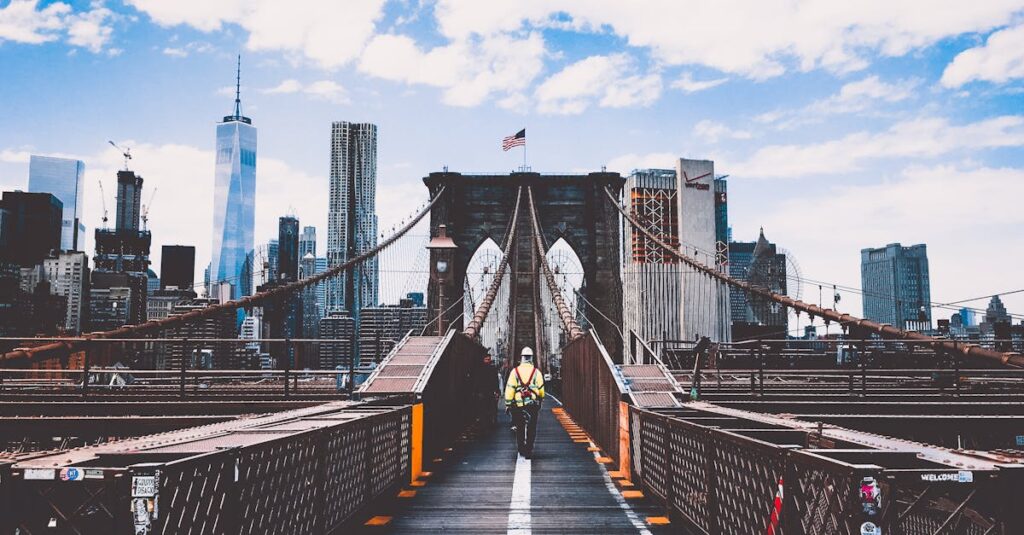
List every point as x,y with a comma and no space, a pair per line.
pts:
442,249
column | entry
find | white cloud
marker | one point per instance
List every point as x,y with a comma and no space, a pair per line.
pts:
917,138
937,205
655,160
188,49
865,95
754,39
91,29
999,60
22,21
605,79
328,90
687,84
327,32
712,132
286,86
470,71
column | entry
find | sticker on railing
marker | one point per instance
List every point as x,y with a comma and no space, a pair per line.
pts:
870,528
870,497
40,474
143,486
71,474
963,476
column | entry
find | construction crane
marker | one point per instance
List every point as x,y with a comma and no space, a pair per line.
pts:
127,153
103,199
145,209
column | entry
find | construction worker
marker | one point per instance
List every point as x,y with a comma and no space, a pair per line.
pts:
524,392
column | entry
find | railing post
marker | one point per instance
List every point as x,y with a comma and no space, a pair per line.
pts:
760,374
864,378
185,354
85,371
956,373
287,366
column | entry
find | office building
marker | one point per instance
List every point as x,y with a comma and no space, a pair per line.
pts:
273,250
177,266
200,351
68,275
121,260
109,308
761,264
651,282
63,178
896,287
161,302
352,216
32,227
310,313
381,327
967,317
288,249
996,312
234,197
307,242
704,304
336,333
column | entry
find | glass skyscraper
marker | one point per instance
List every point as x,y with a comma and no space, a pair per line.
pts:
62,178
234,198
896,287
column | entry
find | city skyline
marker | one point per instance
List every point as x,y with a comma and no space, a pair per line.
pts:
872,133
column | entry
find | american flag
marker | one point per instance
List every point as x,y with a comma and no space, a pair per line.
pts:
517,140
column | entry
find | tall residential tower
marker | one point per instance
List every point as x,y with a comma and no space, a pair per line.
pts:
352,215
234,199
896,288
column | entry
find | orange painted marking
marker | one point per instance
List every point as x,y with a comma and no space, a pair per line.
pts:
593,448
658,520
426,474
418,483
378,521
625,483
632,494
605,460
616,474
407,494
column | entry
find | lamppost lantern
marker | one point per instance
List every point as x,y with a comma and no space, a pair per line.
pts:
441,248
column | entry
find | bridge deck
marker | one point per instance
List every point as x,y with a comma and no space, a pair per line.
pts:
566,489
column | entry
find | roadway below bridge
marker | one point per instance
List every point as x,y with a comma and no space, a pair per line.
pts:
482,487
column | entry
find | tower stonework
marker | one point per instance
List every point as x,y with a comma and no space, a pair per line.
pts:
572,207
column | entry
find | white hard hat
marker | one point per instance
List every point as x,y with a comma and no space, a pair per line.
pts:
527,353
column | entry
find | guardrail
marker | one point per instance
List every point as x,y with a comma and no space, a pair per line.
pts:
593,393
302,472
724,474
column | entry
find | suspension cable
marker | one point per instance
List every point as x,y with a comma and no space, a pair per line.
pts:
484,308
57,348
569,325
826,314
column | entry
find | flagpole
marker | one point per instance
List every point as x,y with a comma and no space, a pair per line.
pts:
524,156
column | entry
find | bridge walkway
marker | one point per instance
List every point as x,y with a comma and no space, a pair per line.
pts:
481,487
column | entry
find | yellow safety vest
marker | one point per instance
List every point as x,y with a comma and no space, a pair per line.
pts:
532,379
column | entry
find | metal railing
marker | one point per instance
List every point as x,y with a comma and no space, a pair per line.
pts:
592,391
303,472
720,474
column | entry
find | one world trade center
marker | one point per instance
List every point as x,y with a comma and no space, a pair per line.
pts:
234,198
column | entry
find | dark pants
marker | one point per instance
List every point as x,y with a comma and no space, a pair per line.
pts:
526,432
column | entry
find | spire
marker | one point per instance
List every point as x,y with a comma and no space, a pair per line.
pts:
238,88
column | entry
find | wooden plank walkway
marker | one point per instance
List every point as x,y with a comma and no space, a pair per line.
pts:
474,488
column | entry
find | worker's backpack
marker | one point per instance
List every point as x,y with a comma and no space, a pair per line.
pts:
524,388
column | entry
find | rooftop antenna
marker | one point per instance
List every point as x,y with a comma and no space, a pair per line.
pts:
124,152
238,88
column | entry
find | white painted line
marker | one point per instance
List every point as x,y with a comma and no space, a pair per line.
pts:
630,513
519,509
552,396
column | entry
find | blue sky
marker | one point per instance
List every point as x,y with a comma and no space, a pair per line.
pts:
841,125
